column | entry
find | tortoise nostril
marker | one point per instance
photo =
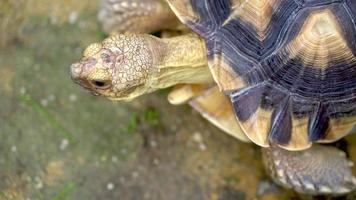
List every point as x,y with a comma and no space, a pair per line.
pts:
100,84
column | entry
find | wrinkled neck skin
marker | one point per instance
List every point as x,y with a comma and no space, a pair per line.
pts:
179,60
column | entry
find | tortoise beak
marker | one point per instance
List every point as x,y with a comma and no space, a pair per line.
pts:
76,75
75,71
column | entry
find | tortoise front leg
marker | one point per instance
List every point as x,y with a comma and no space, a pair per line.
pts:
125,66
317,170
136,16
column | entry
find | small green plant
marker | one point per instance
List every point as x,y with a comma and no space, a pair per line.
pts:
65,191
131,126
151,116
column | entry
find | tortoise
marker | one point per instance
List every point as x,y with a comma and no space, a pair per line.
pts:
279,73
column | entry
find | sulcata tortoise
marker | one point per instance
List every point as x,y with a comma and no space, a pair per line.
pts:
279,73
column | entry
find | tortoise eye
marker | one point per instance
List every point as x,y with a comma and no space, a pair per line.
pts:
100,84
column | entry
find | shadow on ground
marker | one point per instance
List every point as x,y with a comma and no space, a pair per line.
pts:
59,142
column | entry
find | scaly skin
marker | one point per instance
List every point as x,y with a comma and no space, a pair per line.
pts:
136,16
123,67
317,170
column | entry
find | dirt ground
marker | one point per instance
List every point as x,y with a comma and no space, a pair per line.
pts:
59,142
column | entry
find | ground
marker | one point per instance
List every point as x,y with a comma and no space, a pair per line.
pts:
59,142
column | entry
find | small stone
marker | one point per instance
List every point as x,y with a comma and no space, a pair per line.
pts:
22,90
73,16
73,98
44,102
114,159
64,144
202,147
135,174
153,143
197,137
14,149
110,186
156,161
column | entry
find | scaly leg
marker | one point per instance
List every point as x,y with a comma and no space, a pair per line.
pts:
317,170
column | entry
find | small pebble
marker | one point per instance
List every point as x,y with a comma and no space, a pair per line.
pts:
134,174
22,90
202,147
73,98
110,186
44,102
64,144
14,149
197,137
153,143
156,161
73,16
114,159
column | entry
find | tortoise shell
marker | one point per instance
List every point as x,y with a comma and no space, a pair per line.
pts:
288,66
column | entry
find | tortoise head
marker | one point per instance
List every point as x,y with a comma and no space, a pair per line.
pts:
118,68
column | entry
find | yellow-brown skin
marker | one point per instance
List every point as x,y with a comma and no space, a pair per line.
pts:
136,16
125,66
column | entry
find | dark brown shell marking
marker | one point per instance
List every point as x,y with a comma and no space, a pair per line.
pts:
289,66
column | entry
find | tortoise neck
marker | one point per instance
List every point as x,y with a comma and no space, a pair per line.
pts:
186,50
182,60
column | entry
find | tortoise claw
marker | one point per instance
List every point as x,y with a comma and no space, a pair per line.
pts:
315,171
